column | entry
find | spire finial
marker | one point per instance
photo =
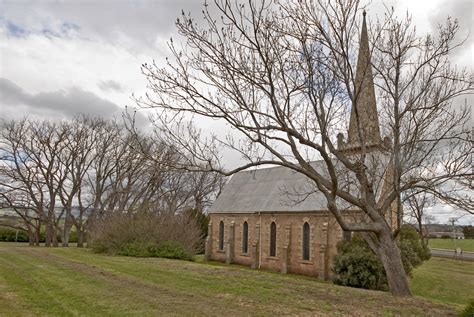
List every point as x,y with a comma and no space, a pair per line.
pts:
364,13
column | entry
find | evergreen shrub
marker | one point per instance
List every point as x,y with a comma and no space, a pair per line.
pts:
357,265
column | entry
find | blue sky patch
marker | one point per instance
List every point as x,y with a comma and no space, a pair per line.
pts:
67,27
64,30
15,30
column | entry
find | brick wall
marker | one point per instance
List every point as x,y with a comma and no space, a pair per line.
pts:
324,235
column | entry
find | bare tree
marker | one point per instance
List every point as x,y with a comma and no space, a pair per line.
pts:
17,184
77,158
416,203
282,76
179,188
33,173
43,148
145,177
418,88
94,167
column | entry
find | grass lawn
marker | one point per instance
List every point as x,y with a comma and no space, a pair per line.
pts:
445,280
70,281
465,244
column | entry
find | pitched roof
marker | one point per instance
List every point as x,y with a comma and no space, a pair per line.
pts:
263,190
280,189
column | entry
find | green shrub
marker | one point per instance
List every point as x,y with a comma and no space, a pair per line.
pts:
137,249
412,249
469,310
165,249
357,265
10,235
73,236
172,250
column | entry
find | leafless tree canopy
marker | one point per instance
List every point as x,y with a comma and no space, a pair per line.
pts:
57,176
282,76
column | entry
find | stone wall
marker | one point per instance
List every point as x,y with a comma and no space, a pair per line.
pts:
324,235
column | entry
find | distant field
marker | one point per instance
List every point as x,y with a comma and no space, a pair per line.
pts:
70,281
465,244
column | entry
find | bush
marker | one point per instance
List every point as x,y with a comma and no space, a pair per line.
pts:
203,221
10,235
172,250
166,249
357,265
146,234
137,249
412,249
469,310
73,236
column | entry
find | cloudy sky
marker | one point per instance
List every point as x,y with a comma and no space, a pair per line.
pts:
59,58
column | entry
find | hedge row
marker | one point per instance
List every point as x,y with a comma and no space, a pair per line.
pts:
10,235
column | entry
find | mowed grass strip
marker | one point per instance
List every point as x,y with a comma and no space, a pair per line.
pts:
450,244
69,281
445,280
42,285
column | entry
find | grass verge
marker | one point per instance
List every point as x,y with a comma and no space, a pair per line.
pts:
445,280
70,281
450,244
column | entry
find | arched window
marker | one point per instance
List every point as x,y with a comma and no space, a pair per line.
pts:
306,239
245,237
221,235
273,236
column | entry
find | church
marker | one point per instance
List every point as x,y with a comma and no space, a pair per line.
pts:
254,222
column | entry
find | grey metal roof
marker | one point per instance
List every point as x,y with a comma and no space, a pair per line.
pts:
275,189
264,190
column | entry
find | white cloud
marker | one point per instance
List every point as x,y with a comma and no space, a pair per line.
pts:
59,45
443,213
38,63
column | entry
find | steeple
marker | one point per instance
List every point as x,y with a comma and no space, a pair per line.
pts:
364,107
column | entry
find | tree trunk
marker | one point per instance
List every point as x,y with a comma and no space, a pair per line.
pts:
55,238
80,238
389,254
49,234
66,235
38,235
31,237
66,231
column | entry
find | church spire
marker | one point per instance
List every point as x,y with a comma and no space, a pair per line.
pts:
364,107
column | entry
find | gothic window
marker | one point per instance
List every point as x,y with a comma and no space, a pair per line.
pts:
245,237
221,235
306,241
273,235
